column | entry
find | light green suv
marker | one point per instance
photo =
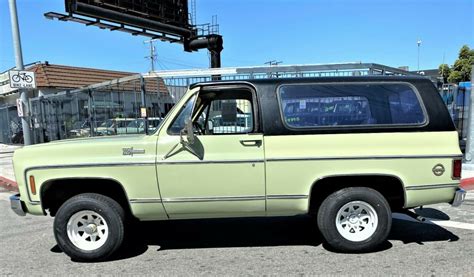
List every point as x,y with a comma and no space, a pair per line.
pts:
348,151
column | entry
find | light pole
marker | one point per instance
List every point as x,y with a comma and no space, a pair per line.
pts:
19,66
419,44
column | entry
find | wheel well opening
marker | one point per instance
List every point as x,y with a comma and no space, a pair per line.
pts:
54,193
389,186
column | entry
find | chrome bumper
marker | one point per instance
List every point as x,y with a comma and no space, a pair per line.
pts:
459,197
16,205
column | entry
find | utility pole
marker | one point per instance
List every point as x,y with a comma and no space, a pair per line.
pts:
19,66
419,44
152,56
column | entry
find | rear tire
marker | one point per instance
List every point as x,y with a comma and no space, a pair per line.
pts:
355,219
89,227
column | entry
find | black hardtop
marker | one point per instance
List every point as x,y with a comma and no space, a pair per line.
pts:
438,115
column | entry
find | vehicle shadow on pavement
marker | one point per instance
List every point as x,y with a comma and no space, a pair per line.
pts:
432,213
417,232
219,233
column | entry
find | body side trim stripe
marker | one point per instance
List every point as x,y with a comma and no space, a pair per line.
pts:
210,162
215,198
364,158
436,186
285,196
144,200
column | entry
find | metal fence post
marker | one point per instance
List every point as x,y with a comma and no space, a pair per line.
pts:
89,112
143,98
470,129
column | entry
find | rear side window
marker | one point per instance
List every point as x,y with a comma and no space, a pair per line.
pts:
326,105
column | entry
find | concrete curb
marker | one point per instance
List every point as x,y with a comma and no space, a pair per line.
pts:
467,183
8,184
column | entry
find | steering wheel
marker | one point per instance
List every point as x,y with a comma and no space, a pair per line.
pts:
199,129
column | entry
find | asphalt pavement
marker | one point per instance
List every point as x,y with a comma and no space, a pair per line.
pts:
256,246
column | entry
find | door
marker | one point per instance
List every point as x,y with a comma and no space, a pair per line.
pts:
218,170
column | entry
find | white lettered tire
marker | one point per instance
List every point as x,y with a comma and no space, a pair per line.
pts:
355,219
89,227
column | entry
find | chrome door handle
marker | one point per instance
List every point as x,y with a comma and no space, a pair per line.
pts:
251,142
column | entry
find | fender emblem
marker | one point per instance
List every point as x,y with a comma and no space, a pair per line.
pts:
438,170
129,151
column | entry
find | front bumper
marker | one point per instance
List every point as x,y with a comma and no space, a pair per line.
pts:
17,206
459,197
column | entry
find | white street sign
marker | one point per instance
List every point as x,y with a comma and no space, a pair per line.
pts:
143,112
19,108
22,79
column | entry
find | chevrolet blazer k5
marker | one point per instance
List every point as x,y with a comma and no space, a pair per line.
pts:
347,150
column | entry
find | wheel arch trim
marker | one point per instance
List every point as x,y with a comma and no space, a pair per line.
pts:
45,183
358,175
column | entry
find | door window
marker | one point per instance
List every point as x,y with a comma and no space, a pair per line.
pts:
229,111
230,116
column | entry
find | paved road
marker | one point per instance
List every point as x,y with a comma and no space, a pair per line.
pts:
278,246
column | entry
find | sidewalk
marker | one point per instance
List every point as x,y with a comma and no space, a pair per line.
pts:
7,177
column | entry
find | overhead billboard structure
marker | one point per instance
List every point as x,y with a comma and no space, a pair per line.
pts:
173,12
167,20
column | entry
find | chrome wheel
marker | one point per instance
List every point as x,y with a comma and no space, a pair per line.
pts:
87,230
356,221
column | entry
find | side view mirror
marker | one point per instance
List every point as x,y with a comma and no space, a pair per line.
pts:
188,131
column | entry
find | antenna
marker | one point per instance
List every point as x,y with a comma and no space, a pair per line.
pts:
273,62
418,42
152,56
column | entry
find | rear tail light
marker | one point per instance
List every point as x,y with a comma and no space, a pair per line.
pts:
457,168
32,185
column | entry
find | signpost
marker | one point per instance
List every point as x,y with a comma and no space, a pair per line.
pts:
22,79
19,66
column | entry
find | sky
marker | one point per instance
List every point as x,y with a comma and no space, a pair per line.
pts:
257,31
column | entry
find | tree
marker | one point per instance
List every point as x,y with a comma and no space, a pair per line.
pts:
454,77
461,70
444,71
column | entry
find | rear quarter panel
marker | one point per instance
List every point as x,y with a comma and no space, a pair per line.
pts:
295,162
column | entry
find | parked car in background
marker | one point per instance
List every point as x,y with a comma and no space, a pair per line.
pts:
240,123
137,126
80,129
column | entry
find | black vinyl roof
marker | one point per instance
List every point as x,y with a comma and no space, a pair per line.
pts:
268,81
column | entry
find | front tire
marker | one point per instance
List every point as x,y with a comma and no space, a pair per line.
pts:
355,219
89,227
